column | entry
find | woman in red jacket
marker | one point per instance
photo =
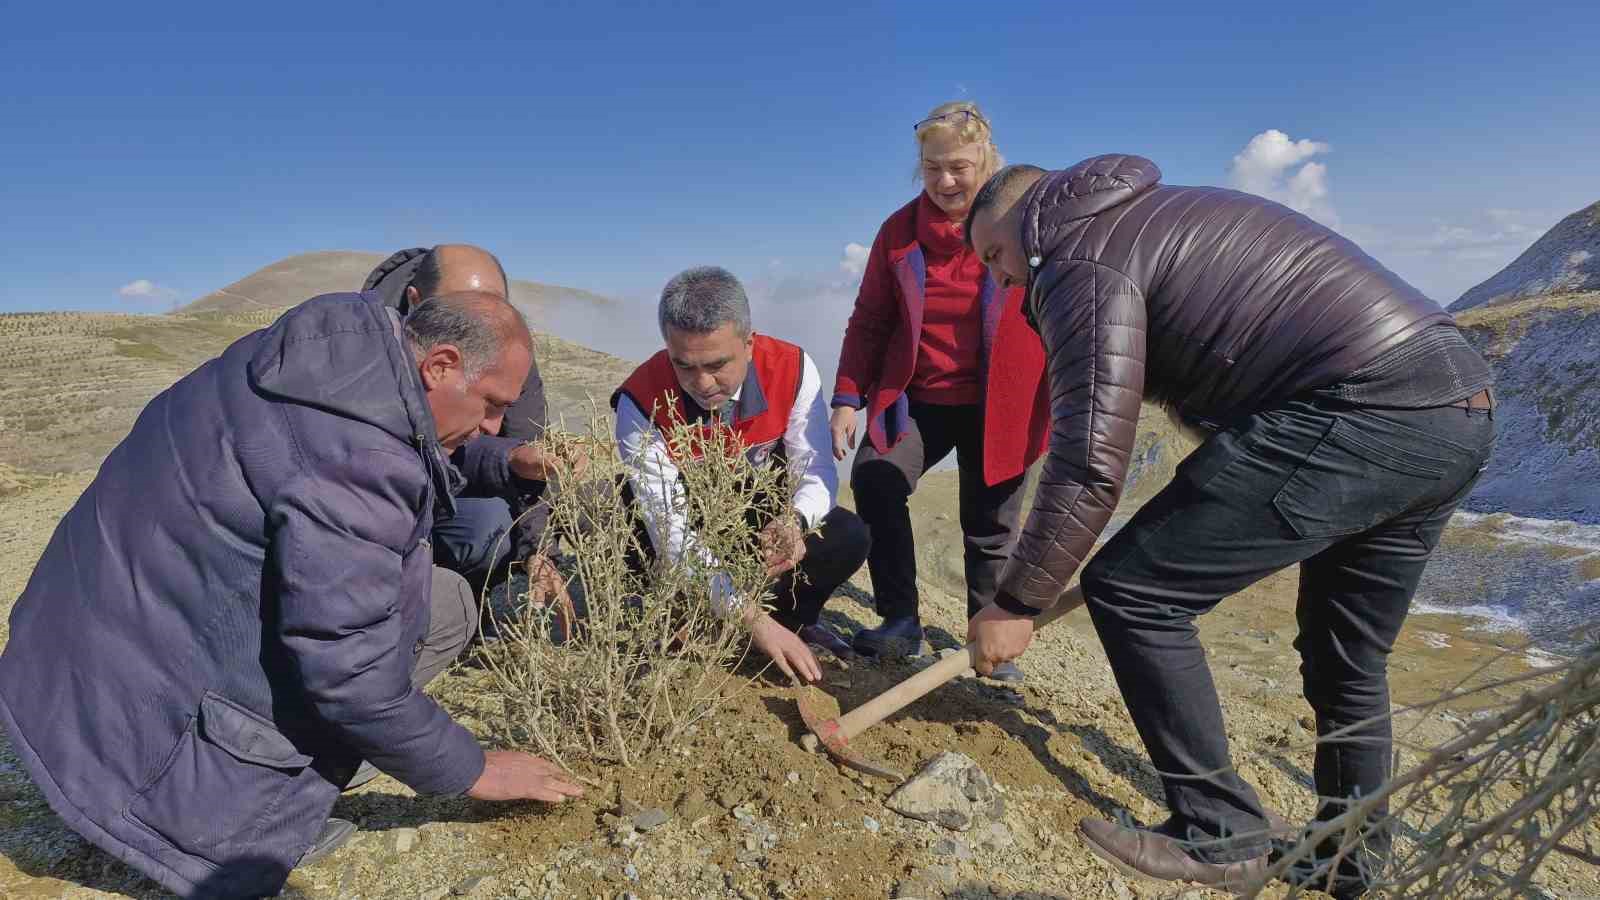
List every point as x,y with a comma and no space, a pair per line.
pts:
942,359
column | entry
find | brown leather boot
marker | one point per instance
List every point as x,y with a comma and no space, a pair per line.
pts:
1139,853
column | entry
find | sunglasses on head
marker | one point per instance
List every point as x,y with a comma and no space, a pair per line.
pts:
954,117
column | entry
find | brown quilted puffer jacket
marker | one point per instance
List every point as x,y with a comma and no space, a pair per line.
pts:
1216,303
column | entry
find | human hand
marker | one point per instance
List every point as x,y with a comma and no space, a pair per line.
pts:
783,545
513,775
535,461
785,648
547,587
1000,637
843,425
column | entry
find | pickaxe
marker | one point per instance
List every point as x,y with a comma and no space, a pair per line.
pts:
834,735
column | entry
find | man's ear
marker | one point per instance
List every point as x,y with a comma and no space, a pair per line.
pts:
437,364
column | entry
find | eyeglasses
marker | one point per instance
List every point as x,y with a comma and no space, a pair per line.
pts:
954,117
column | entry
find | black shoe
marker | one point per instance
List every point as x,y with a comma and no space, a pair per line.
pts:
895,638
333,835
824,637
1008,673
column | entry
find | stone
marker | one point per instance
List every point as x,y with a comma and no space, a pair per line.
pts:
728,797
870,824
943,875
478,886
649,819
952,791
692,805
997,836
917,889
402,840
949,846
435,894
794,777
630,872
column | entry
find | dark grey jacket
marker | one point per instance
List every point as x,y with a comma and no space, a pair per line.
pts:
1215,303
525,419
225,623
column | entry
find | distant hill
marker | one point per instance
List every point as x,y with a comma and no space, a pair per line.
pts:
289,281
1546,357
1565,260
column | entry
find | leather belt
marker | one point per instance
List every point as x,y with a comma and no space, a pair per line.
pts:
1483,399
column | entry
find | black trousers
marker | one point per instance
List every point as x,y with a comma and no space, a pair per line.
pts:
1358,497
833,553
883,484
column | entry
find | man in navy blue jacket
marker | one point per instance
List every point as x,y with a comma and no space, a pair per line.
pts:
243,604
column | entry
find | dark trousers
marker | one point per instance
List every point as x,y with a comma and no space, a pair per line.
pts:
883,484
834,551
1358,497
474,542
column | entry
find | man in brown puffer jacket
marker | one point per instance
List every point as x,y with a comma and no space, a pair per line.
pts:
1346,416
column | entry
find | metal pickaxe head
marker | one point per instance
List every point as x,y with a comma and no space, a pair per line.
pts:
827,733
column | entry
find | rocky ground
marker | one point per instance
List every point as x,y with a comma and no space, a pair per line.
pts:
743,810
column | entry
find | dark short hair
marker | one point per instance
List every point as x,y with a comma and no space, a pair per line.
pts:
999,185
703,299
428,274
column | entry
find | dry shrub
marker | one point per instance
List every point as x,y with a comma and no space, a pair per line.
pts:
1480,814
648,657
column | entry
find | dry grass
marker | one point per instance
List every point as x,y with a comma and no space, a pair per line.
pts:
648,658
1482,812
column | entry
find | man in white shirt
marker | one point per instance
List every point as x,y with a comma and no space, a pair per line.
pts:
768,392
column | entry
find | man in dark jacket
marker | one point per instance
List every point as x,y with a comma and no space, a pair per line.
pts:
248,591
1348,418
485,531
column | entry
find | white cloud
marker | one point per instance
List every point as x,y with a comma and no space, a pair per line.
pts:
855,259
145,291
1277,167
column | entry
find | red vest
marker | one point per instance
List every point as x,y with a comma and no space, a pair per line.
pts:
770,389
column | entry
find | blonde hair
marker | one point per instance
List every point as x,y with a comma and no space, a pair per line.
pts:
973,129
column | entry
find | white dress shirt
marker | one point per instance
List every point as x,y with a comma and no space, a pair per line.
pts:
659,496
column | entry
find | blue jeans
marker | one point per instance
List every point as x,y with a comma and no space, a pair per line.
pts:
1359,498
473,543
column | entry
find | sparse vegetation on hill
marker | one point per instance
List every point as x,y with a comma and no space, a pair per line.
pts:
1566,259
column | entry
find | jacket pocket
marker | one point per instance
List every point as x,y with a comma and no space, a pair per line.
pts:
221,783
1353,481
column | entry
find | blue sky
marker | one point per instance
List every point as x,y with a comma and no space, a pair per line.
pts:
607,146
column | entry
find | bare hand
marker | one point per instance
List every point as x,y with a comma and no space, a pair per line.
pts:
537,462
547,587
533,462
513,775
1000,637
783,545
843,425
785,648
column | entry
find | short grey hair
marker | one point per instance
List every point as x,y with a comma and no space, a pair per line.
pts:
703,299
475,323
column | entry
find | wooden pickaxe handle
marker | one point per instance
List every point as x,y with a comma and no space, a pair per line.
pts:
906,692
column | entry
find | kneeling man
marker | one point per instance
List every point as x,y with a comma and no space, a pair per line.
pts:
248,593
769,393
